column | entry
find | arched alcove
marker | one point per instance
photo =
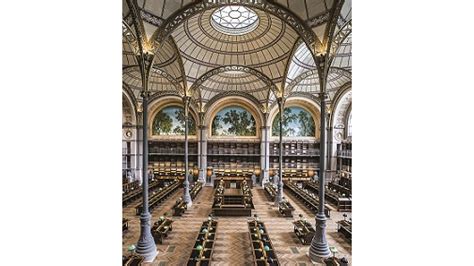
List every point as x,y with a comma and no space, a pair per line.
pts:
240,104
307,107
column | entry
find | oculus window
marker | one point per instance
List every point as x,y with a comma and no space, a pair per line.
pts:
234,20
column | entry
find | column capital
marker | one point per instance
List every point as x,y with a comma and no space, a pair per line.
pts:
324,96
186,99
145,94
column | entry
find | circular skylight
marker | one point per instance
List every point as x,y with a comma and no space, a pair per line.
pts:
234,20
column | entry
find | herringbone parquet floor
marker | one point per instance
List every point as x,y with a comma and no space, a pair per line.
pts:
232,246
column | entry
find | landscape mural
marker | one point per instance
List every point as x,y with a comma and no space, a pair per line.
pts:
297,122
170,121
233,121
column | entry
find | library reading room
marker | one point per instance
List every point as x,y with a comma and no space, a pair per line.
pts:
236,132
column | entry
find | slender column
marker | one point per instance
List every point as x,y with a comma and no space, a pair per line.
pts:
319,246
267,153
264,159
202,152
187,196
146,246
330,141
139,162
279,195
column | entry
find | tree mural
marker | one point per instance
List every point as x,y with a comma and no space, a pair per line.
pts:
233,121
297,122
170,121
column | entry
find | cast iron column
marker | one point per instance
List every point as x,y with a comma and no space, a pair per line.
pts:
319,246
187,196
146,246
202,149
279,195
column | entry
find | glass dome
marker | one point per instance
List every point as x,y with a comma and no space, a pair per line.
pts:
234,20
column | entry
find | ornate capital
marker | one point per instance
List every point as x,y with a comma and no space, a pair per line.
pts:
145,94
324,97
186,99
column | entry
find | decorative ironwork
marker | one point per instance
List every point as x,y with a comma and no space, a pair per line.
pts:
129,36
341,72
318,20
290,59
275,40
222,69
275,9
298,79
234,93
234,20
340,36
151,18
233,41
301,94
128,91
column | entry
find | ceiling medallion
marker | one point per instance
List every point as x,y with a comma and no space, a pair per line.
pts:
234,20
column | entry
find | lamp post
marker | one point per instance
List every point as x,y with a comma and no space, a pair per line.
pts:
279,195
187,196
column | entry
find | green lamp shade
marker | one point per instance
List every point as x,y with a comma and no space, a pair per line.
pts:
333,249
131,248
199,247
204,230
267,248
261,231
162,218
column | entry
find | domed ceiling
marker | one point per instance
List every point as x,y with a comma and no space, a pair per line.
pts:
217,50
266,48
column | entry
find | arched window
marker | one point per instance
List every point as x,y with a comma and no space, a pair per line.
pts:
297,122
170,121
233,121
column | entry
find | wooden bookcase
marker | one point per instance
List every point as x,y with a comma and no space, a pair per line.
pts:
236,158
344,157
299,156
166,158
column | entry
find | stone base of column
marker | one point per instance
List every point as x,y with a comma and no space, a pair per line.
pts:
187,195
213,177
146,246
279,194
319,249
202,178
187,198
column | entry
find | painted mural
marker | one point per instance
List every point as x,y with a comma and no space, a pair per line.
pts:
297,122
233,121
170,121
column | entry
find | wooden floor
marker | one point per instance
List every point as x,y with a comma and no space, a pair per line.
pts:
232,245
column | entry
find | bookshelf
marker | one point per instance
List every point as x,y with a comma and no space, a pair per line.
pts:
166,157
128,156
233,158
299,157
344,156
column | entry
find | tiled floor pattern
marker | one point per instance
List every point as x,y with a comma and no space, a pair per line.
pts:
232,245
